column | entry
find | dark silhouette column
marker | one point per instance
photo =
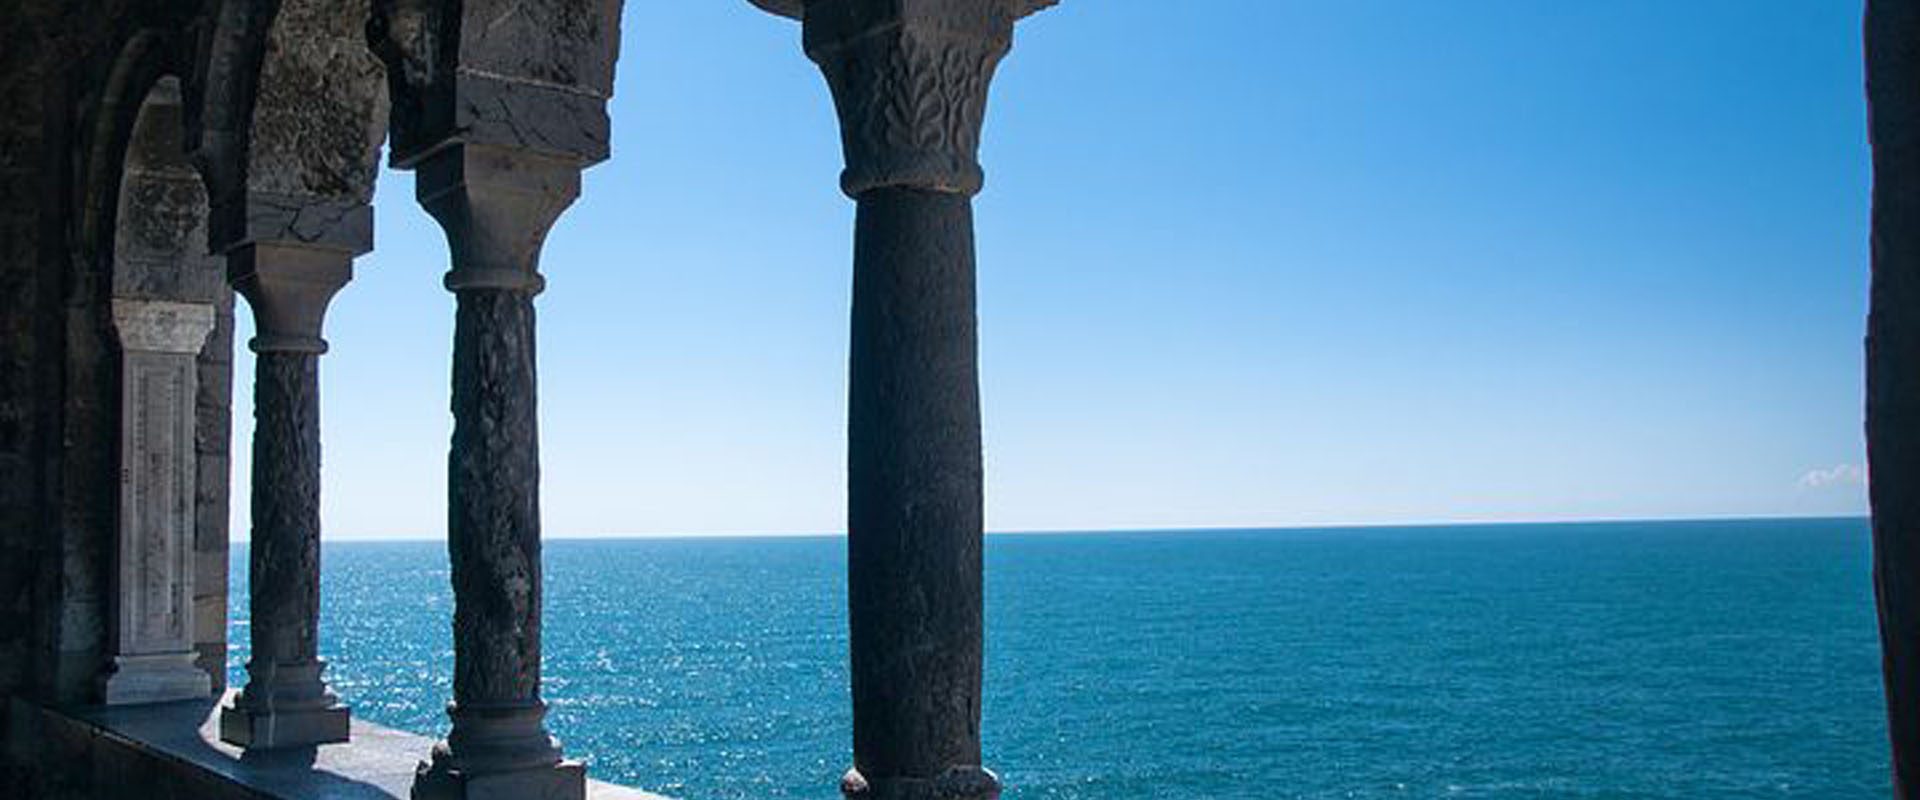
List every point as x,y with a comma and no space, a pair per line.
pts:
909,80
286,703
496,206
1893,368
498,105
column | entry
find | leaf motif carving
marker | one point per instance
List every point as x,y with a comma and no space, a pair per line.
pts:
911,103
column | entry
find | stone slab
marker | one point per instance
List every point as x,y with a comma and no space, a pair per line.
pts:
563,781
156,678
181,742
281,728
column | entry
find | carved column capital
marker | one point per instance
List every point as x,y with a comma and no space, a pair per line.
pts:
162,326
288,286
496,206
909,81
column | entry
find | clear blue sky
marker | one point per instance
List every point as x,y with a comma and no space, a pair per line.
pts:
1242,262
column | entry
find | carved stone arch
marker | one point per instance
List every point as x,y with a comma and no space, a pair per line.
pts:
319,120
138,284
293,208
230,44
107,130
285,109
161,209
78,582
160,254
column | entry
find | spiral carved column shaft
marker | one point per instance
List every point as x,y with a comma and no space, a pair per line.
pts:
496,205
493,527
286,702
284,561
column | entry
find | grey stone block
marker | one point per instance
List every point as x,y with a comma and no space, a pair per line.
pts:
156,679
257,729
566,780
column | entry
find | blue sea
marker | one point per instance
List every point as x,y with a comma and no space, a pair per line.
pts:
1617,660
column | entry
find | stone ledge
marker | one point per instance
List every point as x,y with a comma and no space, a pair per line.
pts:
174,750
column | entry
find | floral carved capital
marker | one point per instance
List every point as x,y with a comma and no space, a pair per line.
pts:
909,81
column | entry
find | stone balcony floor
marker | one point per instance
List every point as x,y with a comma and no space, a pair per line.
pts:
377,764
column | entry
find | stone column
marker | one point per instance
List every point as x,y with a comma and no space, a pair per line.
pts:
153,652
497,105
286,703
1893,368
496,205
909,80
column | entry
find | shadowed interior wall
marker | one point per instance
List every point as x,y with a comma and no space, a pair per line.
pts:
25,346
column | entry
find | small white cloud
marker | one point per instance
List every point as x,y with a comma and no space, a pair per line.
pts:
1838,475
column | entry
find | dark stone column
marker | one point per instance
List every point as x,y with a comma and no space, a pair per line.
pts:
1893,367
498,105
914,501
496,206
213,434
286,703
909,80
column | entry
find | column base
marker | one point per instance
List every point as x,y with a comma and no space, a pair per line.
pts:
957,783
268,729
435,780
156,679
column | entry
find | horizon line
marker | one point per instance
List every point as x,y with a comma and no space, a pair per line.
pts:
1148,529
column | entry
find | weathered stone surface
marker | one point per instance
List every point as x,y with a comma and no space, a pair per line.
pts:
284,558
493,510
909,80
259,728
288,286
28,309
291,149
153,635
496,205
321,111
797,8
173,751
493,540
527,76
213,442
96,203
162,326
914,520
155,678
285,702
960,783
1893,368
160,230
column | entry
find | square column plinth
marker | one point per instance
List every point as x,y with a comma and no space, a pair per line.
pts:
566,780
266,730
155,679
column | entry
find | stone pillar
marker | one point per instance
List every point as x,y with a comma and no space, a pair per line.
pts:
1893,368
153,653
286,703
497,105
496,205
214,433
909,80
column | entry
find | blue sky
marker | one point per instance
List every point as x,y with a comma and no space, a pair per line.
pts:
1244,263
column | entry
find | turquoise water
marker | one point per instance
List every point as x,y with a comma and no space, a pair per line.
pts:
1700,660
